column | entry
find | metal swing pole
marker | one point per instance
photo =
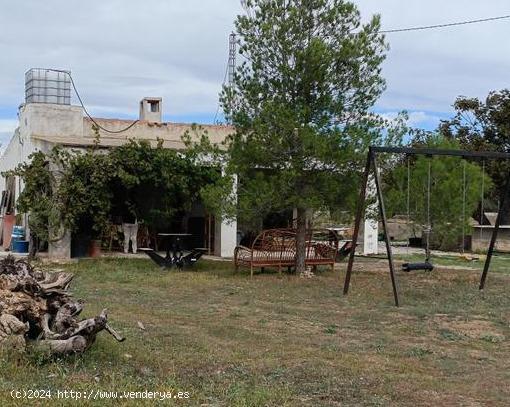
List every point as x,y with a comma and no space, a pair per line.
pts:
382,212
430,152
504,197
371,162
408,201
359,214
429,227
464,208
482,208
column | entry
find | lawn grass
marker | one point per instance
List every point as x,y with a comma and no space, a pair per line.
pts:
230,340
499,263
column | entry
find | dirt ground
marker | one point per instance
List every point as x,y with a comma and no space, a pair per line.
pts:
275,340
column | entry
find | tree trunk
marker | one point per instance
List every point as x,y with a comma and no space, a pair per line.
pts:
36,307
301,241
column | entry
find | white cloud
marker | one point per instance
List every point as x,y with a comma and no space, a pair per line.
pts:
122,50
8,125
417,119
427,70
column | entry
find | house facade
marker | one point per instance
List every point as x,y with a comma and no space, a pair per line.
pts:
45,122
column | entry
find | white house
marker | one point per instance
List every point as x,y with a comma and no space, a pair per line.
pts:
47,119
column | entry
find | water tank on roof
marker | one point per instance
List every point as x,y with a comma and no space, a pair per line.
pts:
48,86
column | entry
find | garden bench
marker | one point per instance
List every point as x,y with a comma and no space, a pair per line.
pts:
277,248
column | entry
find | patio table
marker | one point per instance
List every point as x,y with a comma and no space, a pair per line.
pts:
174,253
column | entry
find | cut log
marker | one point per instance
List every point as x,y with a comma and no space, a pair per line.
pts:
37,308
12,332
75,344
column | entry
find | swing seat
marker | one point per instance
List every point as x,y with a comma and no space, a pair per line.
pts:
408,267
344,251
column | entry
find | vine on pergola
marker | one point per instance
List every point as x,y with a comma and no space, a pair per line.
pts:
73,189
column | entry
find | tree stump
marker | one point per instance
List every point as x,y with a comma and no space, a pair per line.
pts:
36,308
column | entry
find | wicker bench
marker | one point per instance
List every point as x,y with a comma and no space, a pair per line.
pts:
277,248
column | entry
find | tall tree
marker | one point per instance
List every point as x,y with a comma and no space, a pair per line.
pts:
300,105
484,125
451,206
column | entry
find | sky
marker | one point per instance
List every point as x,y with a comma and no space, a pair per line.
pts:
120,51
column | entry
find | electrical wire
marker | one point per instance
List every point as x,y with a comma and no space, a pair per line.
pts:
85,109
398,30
429,27
91,118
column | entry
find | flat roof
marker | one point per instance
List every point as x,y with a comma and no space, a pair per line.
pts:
169,133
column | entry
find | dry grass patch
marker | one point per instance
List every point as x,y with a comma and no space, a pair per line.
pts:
234,341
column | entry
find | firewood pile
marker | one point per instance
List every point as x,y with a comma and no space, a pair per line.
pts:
37,309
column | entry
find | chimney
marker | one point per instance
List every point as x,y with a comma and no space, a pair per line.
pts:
150,109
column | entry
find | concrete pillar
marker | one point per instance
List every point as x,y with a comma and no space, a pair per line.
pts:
371,226
225,231
370,237
225,237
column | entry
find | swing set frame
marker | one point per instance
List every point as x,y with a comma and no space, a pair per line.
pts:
371,164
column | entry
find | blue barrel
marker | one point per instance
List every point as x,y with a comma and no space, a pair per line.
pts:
19,246
18,233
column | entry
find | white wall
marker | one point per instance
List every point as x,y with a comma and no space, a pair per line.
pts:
225,233
371,227
225,238
11,157
40,119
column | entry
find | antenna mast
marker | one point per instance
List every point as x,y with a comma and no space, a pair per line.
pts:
232,50
232,47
